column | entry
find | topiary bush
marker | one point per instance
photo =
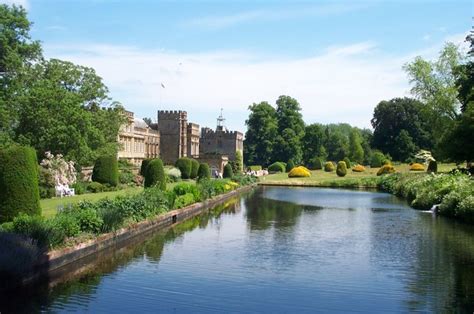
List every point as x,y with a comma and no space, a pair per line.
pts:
277,167
299,172
341,169
377,160
194,168
432,167
143,166
155,175
417,167
329,167
228,173
106,170
185,166
19,191
358,168
386,169
204,172
348,162
315,164
290,165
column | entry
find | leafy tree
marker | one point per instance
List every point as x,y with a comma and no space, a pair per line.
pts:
403,146
356,152
337,145
312,142
261,133
465,84
393,116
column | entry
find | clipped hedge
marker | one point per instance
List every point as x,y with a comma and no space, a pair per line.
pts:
204,172
185,165
315,164
194,168
329,166
155,175
386,169
341,169
348,162
277,167
290,165
106,170
19,191
228,173
417,167
299,172
143,166
358,168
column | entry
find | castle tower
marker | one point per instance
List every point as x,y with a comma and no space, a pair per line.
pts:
173,135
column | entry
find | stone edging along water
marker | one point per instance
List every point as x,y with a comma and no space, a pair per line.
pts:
57,259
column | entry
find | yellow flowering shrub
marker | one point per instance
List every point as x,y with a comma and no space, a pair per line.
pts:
358,168
385,169
417,167
299,172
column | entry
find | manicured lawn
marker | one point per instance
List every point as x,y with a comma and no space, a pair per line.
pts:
322,178
50,206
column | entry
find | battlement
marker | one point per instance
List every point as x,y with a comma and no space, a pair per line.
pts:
208,132
172,114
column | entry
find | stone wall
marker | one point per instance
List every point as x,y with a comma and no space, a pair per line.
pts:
220,142
172,126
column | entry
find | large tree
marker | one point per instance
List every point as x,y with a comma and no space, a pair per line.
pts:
313,142
356,152
393,116
261,133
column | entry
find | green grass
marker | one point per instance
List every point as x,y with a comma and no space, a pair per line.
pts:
50,206
367,179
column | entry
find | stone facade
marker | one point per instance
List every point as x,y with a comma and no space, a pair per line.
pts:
221,141
193,136
173,127
138,141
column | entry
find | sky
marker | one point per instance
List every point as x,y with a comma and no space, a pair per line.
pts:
339,59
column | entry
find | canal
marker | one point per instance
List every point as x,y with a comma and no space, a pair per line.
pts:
279,249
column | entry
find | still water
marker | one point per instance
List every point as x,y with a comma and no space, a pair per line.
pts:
280,250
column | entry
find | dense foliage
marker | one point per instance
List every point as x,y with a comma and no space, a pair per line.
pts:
386,169
204,172
328,166
18,183
143,166
106,170
277,167
341,169
185,165
289,165
194,169
228,172
155,175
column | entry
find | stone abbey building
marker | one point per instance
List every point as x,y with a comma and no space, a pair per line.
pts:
174,137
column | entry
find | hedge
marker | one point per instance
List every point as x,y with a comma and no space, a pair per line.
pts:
143,166
204,172
432,167
386,169
378,160
417,167
155,175
341,169
315,164
329,166
290,165
348,162
299,172
106,170
277,167
228,173
185,166
358,168
194,168
19,191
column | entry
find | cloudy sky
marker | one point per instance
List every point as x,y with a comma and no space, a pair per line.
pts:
337,58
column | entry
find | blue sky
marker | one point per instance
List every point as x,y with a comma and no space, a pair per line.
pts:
338,58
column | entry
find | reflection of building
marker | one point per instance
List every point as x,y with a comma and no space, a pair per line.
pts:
138,141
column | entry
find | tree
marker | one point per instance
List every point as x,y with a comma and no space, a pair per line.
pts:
337,146
261,134
288,146
465,84
393,116
239,162
404,148
356,152
312,142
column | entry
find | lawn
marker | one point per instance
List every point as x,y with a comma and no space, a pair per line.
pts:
352,179
50,206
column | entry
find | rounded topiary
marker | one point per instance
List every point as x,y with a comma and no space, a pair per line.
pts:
341,169
19,191
348,163
185,166
155,175
277,167
316,163
299,172
289,165
358,168
432,167
417,167
377,160
106,170
194,168
385,169
329,167
204,172
228,173
143,166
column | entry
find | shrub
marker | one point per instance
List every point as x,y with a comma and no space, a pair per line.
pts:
254,168
33,227
19,190
385,169
417,167
194,168
155,175
348,163
95,187
290,165
204,172
185,166
80,187
228,173
341,169
277,167
64,225
126,177
377,160
184,188
358,168
239,162
184,200
172,174
329,167
299,172
106,170
143,166
432,167
315,164
244,179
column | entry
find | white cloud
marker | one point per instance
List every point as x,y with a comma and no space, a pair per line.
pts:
341,85
23,3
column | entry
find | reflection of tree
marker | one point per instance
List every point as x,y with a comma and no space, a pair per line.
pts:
83,280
